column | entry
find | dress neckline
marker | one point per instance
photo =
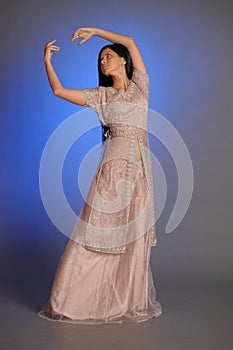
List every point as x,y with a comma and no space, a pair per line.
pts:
121,89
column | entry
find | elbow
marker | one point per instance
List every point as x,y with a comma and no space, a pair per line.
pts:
57,92
131,41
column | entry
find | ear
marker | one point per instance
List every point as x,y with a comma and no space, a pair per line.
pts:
123,60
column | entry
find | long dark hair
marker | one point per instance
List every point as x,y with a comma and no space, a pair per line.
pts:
105,80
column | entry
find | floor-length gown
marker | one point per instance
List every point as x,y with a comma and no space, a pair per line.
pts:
104,274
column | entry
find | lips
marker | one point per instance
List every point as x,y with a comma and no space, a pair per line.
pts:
105,69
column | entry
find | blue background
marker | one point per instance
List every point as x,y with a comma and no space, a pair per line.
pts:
187,49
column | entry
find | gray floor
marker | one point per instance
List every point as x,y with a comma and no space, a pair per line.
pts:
195,316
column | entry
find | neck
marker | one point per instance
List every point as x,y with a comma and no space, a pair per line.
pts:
120,82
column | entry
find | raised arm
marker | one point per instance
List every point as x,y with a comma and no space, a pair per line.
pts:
71,95
128,41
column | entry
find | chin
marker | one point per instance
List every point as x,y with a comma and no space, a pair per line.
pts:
106,74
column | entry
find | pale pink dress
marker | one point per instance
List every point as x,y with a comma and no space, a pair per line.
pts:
104,274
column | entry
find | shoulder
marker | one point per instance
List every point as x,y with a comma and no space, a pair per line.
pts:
139,76
141,80
94,96
138,73
95,90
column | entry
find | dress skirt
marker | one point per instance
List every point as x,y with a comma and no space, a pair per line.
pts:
94,287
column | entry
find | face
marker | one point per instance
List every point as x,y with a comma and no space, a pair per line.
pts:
111,62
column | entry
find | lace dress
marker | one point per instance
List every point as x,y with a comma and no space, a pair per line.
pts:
104,274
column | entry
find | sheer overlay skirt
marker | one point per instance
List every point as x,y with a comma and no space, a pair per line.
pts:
92,287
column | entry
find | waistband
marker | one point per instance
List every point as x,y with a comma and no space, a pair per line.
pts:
131,134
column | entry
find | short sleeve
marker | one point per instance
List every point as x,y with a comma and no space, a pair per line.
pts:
141,80
93,97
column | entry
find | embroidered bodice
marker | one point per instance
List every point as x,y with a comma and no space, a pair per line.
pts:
125,113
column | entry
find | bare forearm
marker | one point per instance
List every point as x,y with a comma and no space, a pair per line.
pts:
113,37
72,95
52,77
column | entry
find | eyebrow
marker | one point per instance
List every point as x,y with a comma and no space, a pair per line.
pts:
105,54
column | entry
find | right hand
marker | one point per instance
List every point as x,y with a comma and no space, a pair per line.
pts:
48,50
85,33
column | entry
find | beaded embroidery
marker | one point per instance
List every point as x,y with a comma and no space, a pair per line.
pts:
125,112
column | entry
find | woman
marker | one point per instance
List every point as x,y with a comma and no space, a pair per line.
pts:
104,274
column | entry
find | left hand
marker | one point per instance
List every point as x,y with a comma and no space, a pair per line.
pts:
48,50
85,33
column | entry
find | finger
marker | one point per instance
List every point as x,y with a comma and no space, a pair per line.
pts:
51,42
50,50
53,47
82,41
48,45
75,36
77,33
78,30
58,49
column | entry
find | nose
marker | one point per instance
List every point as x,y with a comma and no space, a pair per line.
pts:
103,60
